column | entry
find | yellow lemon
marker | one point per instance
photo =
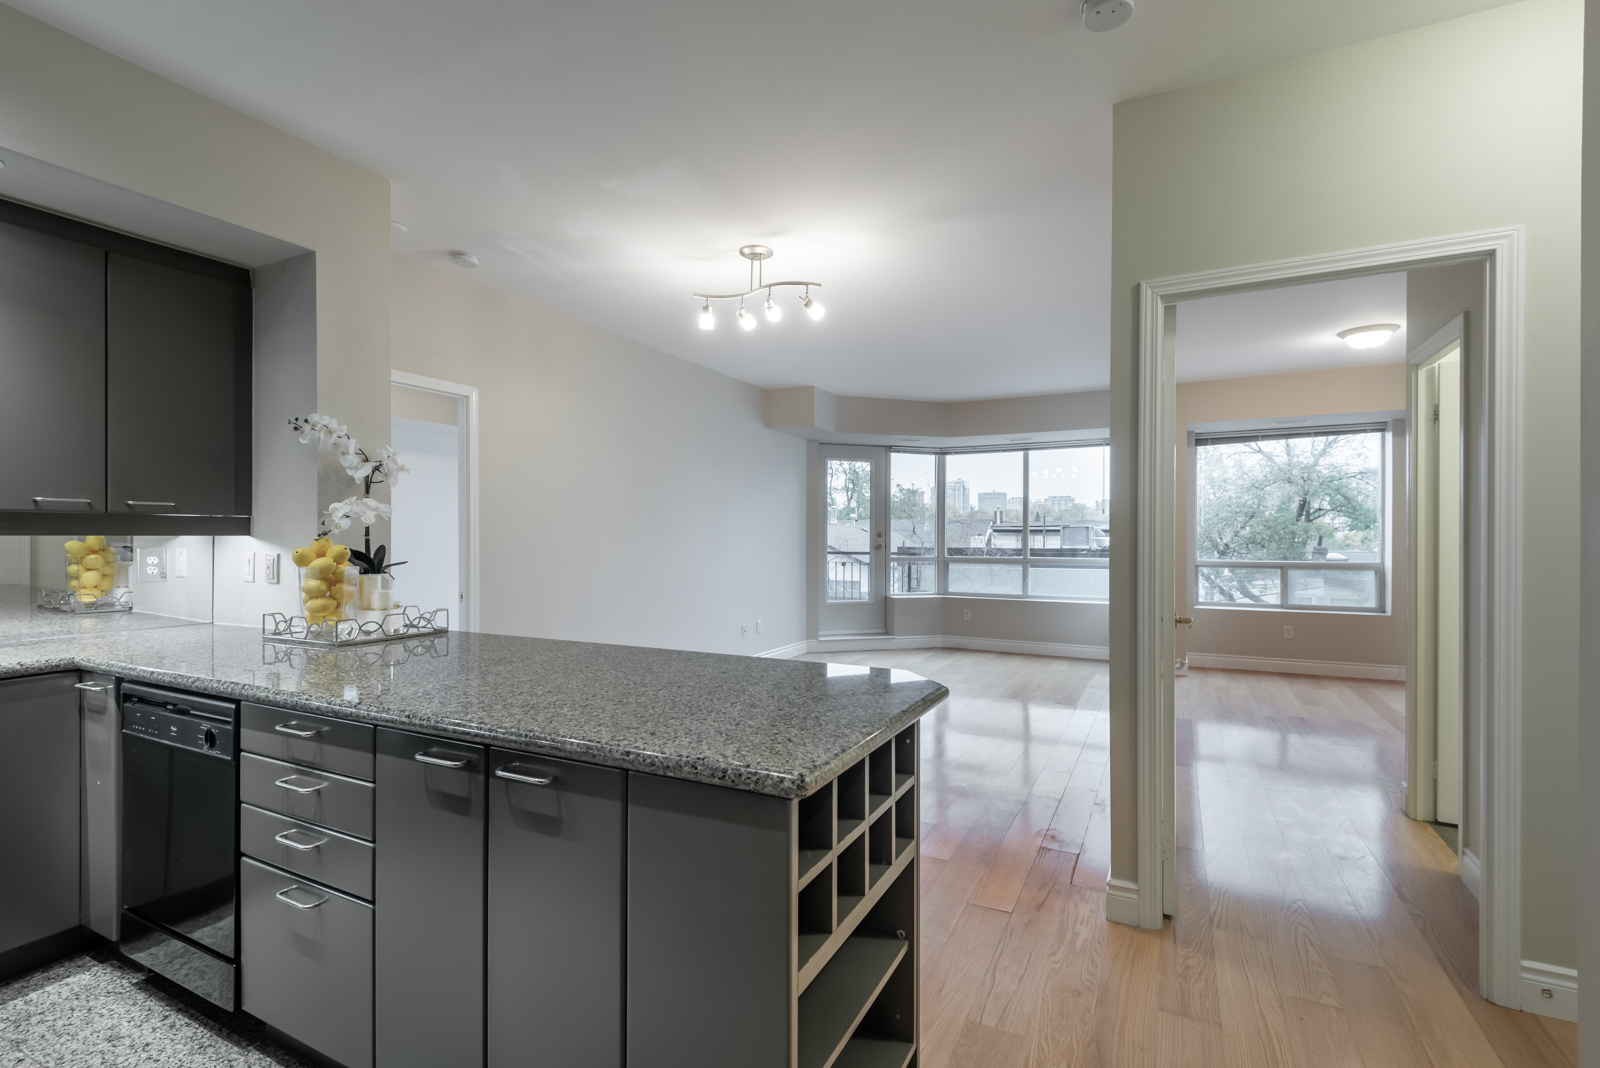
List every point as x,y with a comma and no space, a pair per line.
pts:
321,606
314,588
302,557
93,562
339,553
95,541
73,584
89,578
75,548
106,582
320,568
345,594
321,546
74,570
87,598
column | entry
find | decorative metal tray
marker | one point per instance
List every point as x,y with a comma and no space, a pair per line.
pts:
407,622
67,601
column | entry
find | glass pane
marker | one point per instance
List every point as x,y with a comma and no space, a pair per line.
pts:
1069,503
907,577
849,530
1241,585
1070,583
983,505
1348,589
1304,498
995,579
913,510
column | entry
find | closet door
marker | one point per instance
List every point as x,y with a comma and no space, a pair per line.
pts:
52,374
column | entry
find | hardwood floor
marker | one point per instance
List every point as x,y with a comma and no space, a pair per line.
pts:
1316,924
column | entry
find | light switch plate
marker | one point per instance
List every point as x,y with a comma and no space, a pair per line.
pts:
152,565
271,562
180,563
249,567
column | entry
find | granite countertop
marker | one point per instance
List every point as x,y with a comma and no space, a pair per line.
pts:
21,621
778,727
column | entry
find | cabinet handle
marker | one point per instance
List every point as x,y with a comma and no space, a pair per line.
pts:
283,896
153,504
301,845
62,500
94,687
288,783
297,731
528,775
427,757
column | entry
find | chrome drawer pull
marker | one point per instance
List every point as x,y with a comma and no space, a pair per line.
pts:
153,504
286,838
427,757
288,783
527,775
62,500
94,687
283,896
299,732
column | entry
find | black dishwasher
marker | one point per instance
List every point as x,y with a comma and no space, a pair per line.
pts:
180,789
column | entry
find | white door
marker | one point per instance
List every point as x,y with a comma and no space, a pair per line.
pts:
426,431
855,484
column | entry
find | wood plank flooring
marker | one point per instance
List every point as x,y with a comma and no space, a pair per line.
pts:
1316,926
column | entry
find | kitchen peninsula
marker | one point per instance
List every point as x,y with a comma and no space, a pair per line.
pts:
602,853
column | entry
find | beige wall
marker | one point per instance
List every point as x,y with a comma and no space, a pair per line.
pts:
1466,125
626,495
1589,846
1331,637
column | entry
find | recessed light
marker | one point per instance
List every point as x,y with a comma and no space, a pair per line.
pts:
397,226
463,259
1369,337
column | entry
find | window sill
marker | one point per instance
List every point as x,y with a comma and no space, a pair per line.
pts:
1310,610
984,597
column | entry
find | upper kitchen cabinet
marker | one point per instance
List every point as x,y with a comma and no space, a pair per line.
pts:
178,391
125,383
52,374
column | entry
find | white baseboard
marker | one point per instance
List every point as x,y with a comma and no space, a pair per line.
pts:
1122,901
1550,990
784,652
1471,872
956,641
1339,669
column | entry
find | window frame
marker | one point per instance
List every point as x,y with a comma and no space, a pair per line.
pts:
1381,567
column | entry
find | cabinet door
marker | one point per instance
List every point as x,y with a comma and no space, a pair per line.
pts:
178,373
52,374
39,797
428,890
101,854
555,912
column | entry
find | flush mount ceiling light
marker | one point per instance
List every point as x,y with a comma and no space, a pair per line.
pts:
758,255
1102,15
1368,337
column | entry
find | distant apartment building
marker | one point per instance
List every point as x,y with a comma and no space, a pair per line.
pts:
957,497
993,501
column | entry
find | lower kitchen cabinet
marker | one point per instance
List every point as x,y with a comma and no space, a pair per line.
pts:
306,962
39,795
556,912
428,894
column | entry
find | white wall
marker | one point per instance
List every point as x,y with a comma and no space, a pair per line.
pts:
627,496
1466,125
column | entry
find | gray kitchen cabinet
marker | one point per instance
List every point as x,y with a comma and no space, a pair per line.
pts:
428,892
308,794
39,797
556,912
305,958
52,374
177,347
101,852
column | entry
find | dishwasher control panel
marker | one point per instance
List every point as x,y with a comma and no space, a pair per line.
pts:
178,726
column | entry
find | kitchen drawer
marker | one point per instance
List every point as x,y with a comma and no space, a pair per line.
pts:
335,745
307,794
305,958
315,852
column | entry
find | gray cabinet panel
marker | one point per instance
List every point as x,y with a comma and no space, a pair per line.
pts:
340,746
308,794
52,373
429,889
101,854
556,856
176,341
305,962
39,799
318,853
709,926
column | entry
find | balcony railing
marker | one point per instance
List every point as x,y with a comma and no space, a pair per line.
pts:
849,576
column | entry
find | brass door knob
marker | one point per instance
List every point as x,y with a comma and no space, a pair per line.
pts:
1185,620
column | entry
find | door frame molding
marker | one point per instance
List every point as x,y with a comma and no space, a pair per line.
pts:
468,394
1500,920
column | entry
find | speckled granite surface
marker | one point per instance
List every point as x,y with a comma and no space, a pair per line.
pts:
20,621
777,727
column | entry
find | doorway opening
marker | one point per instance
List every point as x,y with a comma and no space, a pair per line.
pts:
854,565
433,427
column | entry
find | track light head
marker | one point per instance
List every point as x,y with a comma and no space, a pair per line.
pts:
813,308
707,320
774,313
746,320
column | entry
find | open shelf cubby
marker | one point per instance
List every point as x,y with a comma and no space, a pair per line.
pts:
856,913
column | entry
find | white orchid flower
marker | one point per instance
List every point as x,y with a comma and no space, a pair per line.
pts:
392,467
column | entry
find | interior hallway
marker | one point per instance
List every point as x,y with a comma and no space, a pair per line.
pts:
1316,925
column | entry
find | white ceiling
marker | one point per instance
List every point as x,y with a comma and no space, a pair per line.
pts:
1294,328
943,168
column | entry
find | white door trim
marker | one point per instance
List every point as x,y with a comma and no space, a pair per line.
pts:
469,395
1500,915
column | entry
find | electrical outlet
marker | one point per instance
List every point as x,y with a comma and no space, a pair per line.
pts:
758,626
966,613
1288,632
249,567
270,561
152,565
180,563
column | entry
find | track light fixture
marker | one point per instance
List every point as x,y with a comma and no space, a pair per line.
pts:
757,255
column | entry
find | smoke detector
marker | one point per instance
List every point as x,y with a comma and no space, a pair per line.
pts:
463,259
1102,15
